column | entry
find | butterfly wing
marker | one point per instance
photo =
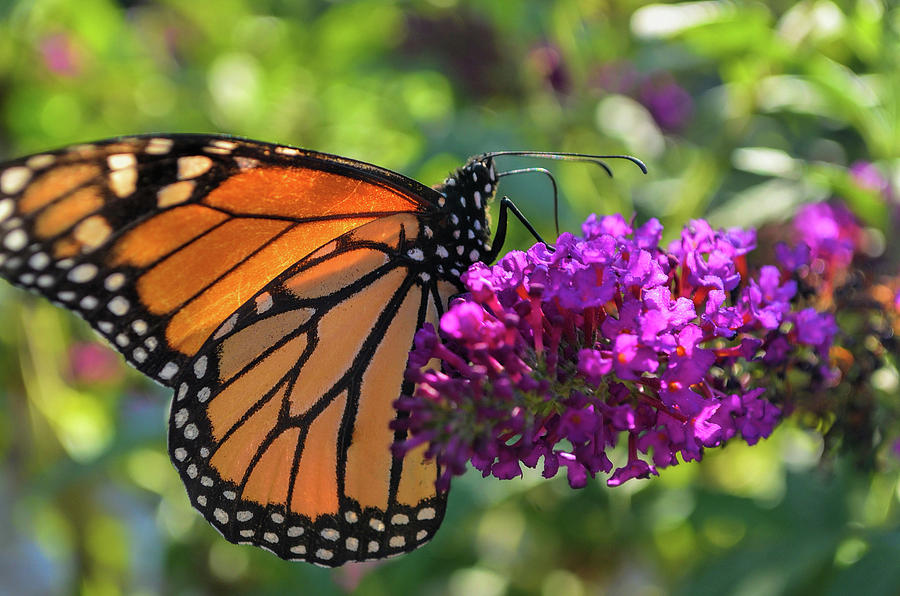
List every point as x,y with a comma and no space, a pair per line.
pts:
157,240
232,270
280,429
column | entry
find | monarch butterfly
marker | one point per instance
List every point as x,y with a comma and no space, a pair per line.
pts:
277,291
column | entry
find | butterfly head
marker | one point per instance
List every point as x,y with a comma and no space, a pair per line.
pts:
462,234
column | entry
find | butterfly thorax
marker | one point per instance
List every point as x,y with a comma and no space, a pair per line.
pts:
461,231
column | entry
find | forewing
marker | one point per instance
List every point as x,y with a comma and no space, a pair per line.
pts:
156,240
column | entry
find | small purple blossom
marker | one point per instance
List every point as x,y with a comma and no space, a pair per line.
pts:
93,363
830,231
668,102
548,61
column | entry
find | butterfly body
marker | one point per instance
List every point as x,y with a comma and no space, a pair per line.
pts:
277,291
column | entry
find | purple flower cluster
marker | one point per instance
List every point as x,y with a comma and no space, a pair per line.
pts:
561,355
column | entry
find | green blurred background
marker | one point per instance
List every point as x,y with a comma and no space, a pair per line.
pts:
742,111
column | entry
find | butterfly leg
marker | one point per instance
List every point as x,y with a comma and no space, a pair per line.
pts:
506,204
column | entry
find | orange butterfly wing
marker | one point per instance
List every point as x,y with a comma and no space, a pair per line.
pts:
304,468
156,240
278,290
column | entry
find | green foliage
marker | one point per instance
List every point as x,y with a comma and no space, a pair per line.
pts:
783,97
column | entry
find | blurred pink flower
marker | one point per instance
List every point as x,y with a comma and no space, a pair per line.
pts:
547,60
92,363
868,176
60,55
350,575
668,102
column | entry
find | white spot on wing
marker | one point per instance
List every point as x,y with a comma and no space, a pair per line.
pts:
175,193
6,208
158,146
123,182
397,541
38,162
120,161
223,144
14,179
200,367
114,281
39,260
119,306
246,163
82,273
16,240
400,519
168,371
330,534
263,302
181,416
191,166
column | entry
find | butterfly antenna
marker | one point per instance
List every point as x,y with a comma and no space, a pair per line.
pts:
586,157
552,182
506,205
